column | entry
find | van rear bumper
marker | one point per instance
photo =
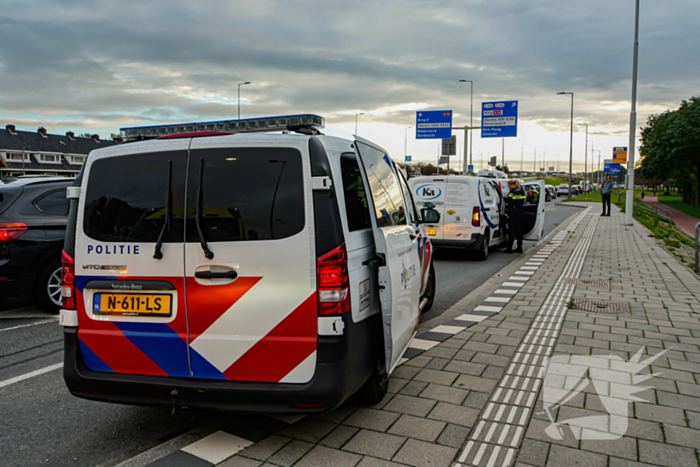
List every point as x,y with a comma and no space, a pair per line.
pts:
338,375
472,244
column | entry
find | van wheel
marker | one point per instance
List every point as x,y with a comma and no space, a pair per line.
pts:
430,290
483,253
48,288
377,385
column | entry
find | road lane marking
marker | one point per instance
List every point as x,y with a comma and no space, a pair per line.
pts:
51,320
31,374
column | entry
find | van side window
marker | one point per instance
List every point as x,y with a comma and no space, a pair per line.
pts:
412,211
355,195
383,186
487,193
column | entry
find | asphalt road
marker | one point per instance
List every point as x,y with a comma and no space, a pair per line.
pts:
41,423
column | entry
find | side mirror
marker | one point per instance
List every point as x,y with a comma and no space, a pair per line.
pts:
430,216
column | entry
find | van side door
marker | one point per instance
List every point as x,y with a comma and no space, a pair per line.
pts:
533,210
396,242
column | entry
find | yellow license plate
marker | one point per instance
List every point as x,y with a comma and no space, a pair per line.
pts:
431,231
132,304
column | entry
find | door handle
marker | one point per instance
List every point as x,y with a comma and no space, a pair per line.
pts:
216,275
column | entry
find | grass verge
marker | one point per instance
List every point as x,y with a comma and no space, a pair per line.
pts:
676,202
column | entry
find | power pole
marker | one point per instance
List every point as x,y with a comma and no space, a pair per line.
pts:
629,205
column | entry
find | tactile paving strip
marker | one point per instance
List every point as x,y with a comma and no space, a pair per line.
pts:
588,283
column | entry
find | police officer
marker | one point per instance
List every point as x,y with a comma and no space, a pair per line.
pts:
514,205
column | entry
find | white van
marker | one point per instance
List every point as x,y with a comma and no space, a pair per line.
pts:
492,173
254,272
472,211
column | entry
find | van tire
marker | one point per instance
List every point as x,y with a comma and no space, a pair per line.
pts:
482,253
46,280
430,289
377,385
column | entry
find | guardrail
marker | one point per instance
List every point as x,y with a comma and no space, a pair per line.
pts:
697,234
640,205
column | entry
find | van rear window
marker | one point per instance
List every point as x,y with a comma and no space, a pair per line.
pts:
246,194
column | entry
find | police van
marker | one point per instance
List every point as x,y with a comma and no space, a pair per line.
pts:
472,211
218,265
491,173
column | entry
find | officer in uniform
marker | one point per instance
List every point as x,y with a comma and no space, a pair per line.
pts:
514,205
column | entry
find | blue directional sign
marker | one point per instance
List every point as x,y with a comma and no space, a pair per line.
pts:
610,168
499,119
434,124
470,168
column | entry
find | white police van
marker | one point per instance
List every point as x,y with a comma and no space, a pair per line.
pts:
472,211
213,265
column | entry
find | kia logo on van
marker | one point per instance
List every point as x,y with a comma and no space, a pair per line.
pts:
428,191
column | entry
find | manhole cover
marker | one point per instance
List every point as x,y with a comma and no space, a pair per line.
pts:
589,283
600,307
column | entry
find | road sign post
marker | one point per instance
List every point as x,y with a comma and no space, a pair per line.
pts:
499,119
434,124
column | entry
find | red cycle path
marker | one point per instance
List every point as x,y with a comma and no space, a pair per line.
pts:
683,221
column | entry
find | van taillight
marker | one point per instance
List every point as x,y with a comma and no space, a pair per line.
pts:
333,291
68,281
12,231
476,217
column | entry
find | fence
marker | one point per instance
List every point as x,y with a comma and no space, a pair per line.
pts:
644,207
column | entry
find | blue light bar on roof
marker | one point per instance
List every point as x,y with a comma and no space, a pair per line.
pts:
237,126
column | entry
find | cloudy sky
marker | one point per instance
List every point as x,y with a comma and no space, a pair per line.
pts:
96,66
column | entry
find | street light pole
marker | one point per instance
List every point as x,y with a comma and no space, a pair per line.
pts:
239,98
629,206
361,113
585,163
405,144
471,114
571,139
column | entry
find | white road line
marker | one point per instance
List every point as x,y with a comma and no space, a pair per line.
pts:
31,374
51,320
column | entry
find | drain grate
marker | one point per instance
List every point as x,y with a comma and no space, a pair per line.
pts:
600,307
589,283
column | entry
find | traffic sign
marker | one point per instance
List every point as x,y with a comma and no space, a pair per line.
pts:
449,146
551,169
444,160
499,119
493,162
434,124
620,155
609,167
470,169
409,158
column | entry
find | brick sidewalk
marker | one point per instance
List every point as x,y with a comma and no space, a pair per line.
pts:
477,399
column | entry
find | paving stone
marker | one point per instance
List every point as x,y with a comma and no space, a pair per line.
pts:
455,414
563,456
474,383
372,443
374,462
372,419
494,372
453,435
405,371
264,449
617,462
534,453
410,405
468,368
436,376
665,454
476,400
422,454
414,388
693,419
624,447
677,400
322,456
308,429
658,413
419,361
464,355
237,461
396,384
445,393
438,363
681,436
338,437
644,429
291,453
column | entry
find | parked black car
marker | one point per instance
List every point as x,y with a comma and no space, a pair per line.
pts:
33,214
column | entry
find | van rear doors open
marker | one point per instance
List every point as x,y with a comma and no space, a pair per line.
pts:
533,210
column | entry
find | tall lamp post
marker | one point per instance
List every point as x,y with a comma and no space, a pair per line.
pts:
361,113
571,138
239,98
585,159
629,204
471,114
405,143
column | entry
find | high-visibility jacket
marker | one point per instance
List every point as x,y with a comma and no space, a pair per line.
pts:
515,200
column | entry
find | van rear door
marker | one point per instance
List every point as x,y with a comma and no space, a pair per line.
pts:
250,262
398,250
131,306
533,210
434,191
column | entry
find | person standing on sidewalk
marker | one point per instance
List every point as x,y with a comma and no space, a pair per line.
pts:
514,205
606,193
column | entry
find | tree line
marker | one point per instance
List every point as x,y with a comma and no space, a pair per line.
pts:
670,150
